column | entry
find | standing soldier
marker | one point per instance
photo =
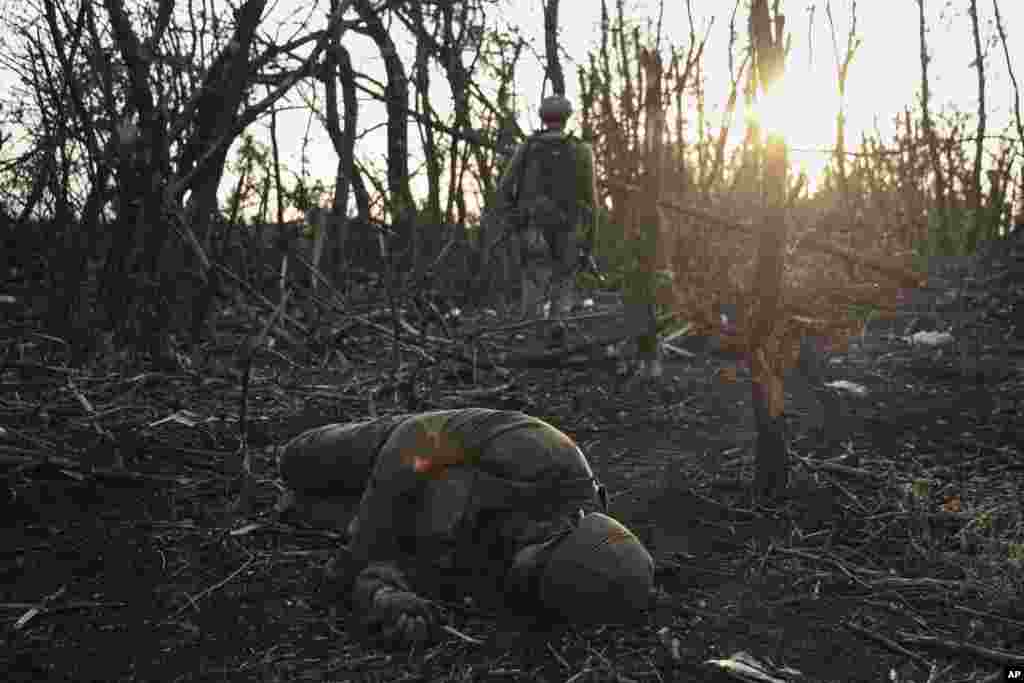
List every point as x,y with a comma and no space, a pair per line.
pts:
549,193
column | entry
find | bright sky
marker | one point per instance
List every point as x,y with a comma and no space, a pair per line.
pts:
883,77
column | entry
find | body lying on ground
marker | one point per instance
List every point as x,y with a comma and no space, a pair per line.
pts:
494,504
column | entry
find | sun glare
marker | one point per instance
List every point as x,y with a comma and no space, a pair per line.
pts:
797,109
803,112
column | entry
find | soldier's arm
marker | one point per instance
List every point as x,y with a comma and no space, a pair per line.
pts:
588,190
388,611
386,517
382,592
384,602
509,178
587,182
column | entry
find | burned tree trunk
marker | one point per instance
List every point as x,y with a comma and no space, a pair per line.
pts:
934,153
772,470
554,64
343,138
396,96
648,221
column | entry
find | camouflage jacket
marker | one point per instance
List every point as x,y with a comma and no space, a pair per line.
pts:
510,480
586,189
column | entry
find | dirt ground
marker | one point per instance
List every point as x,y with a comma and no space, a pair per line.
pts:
892,557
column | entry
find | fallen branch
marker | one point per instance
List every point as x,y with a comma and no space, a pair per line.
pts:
33,610
841,469
542,321
191,600
80,471
485,392
958,647
889,644
460,635
559,354
677,351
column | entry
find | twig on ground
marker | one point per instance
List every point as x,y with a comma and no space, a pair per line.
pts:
889,644
485,392
460,635
957,647
840,469
193,600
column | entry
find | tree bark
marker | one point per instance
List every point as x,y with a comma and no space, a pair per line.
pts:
143,169
1017,117
223,91
842,72
343,139
929,128
649,219
979,223
432,157
768,396
396,93
554,64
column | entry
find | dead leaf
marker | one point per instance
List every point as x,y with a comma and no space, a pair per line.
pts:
727,374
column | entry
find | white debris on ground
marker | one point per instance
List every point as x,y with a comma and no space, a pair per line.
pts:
929,338
746,667
850,387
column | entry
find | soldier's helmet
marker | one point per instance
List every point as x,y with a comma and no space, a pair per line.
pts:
555,108
598,573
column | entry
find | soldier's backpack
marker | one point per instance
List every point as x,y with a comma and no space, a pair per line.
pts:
548,186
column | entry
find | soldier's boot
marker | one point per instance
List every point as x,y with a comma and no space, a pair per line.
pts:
534,290
561,302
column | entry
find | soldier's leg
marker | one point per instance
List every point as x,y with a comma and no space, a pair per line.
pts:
536,274
565,259
325,471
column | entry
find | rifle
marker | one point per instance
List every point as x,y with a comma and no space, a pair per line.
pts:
588,264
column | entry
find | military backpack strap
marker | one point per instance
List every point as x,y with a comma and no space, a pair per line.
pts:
558,183
516,217
520,177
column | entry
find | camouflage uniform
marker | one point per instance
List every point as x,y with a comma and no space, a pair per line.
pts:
502,520
549,269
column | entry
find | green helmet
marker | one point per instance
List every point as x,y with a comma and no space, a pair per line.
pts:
597,573
555,108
